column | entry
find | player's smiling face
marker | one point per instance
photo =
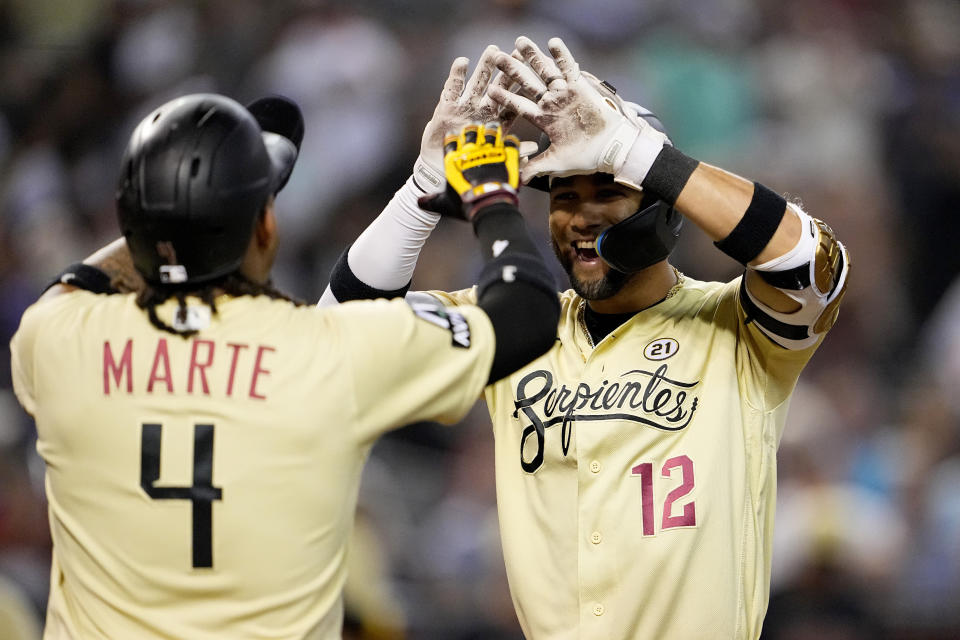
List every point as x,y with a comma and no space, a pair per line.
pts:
580,208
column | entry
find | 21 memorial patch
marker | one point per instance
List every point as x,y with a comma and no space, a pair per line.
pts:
445,318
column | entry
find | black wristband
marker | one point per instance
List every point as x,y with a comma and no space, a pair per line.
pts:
346,286
754,231
84,276
669,173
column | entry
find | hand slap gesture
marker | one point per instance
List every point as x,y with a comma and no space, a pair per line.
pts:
590,128
462,102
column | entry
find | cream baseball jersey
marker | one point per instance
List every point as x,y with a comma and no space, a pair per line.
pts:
636,478
205,487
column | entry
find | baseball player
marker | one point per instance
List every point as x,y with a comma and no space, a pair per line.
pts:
204,435
636,460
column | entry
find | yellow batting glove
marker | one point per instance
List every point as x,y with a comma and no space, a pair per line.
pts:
481,167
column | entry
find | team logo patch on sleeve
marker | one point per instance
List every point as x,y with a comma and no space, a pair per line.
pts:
445,318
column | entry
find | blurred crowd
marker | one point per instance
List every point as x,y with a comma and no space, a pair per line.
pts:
851,107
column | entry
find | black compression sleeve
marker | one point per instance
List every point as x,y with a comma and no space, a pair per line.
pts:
346,286
508,249
524,320
515,289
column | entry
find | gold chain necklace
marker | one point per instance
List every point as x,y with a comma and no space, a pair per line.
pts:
581,309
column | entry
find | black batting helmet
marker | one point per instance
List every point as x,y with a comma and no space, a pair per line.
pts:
195,177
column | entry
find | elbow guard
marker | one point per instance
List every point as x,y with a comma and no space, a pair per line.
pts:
814,275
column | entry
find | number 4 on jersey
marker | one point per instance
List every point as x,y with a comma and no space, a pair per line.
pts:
201,493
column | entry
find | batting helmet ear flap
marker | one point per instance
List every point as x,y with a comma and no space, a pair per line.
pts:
643,239
281,121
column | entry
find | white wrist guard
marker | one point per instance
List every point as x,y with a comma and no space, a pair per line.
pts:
614,154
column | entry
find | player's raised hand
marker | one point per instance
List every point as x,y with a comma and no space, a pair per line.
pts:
482,168
462,102
589,127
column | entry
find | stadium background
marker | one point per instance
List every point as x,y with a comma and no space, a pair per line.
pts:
851,105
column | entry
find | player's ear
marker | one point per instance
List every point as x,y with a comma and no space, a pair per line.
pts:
265,232
263,246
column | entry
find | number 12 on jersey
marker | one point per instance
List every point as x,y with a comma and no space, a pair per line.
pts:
201,493
688,513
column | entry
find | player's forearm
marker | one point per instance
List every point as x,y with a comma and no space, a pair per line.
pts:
733,211
109,269
716,201
515,289
385,254
116,262
381,262
797,269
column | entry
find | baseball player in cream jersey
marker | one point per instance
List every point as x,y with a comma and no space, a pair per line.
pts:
636,460
204,435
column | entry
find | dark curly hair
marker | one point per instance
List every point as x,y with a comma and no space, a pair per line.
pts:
234,284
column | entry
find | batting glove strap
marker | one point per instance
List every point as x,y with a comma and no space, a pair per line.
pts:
485,196
428,178
639,158
486,189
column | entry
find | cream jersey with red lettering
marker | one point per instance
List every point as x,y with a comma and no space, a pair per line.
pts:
636,479
205,487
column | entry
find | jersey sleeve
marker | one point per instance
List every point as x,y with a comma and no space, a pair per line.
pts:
413,361
56,314
767,371
51,314
22,357
778,344
449,298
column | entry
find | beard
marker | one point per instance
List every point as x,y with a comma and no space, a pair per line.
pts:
606,287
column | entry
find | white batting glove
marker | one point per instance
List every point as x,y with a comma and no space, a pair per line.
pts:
590,128
462,102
